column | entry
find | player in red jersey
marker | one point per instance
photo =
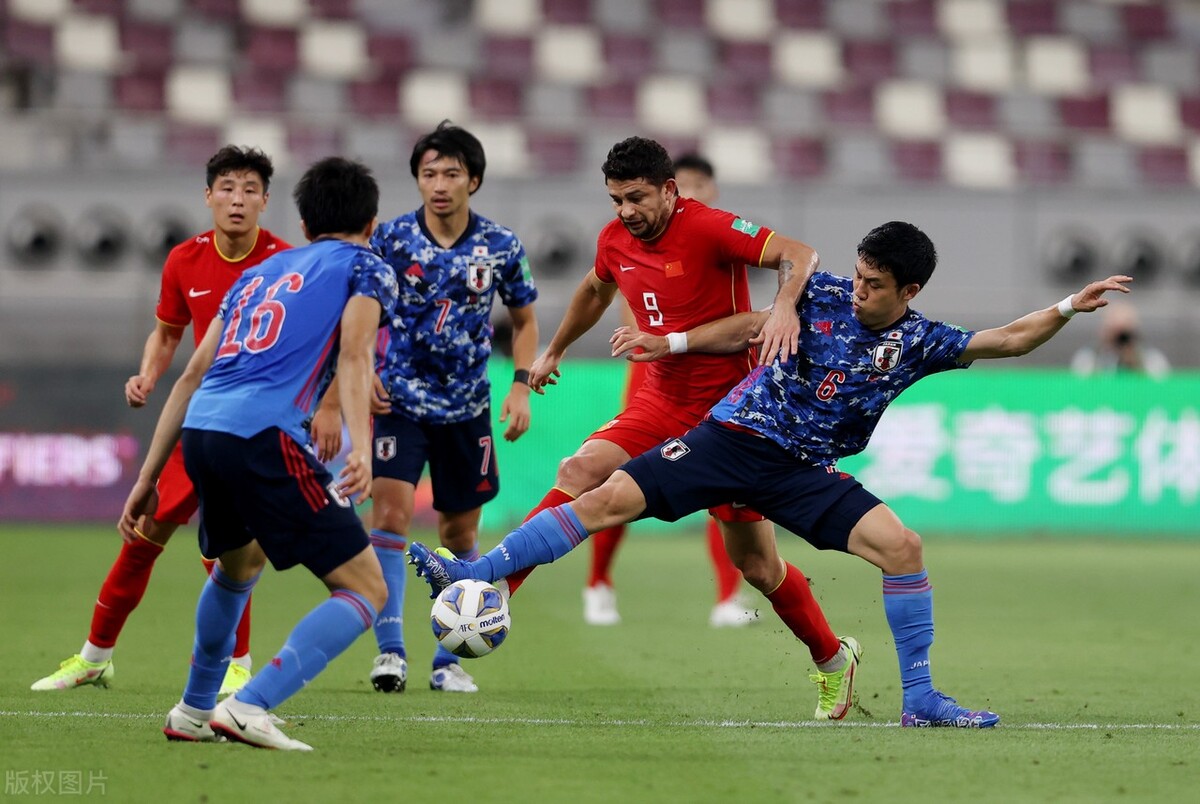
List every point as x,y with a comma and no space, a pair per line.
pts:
679,263
694,178
195,278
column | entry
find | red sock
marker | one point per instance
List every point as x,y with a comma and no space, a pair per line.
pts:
242,646
122,590
728,576
554,496
604,550
793,601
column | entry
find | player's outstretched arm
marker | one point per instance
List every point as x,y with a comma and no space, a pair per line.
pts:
1027,333
731,334
142,498
588,304
515,409
156,357
796,262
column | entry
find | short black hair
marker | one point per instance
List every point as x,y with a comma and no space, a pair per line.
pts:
336,196
233,159
696,162
901,249
452,142
638,158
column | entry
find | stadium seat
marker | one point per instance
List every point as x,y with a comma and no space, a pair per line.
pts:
308,143
740,20
1145,21
687,53
1111,64
1032,17
869,61
201,41
862,19
1145,113
261,132
567,12
553,152
508,57
970,110
41,12
554,106
680,14
853,107
191,145
507,148
800,157
1042,162
110,8
740,154
924,58
1090,112
140,91
672,104
1028,115
1164,165
154,10
376,97
334,49
84,90
627,56
428,97
912,18
910,110
87,42
332,9
917,161
29,43
808,59
495,98
508,16
378,144
859,159
312,98
806,14
1056,65
1090,22
1189,112
146,44
615,101
735,102
391,54
271,50
216,9
971,19
792,111
979,160
984,66
1172,64
275,13
568,54
1103,162
746,61
199,94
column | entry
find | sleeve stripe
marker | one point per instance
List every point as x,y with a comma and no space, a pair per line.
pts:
764,248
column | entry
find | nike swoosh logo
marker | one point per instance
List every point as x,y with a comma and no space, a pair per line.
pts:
628,267
236,722
193,293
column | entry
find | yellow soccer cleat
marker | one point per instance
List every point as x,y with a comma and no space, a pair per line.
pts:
235,678
76,672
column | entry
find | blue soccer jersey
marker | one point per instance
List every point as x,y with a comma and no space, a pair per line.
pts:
433,362
824,403
280,339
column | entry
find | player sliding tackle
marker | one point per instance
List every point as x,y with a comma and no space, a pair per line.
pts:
773,442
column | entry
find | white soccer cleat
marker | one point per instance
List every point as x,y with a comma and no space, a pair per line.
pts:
249,724
452,678
732,614
600,605
389,673
182,727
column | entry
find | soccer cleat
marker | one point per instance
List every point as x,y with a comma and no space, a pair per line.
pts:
835,690
76,672
439,568
182,727
389,673
938,710
452,678
600,605
235,678
732,614
249,724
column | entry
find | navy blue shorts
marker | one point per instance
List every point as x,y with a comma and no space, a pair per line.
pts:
269,489
713,464
461,458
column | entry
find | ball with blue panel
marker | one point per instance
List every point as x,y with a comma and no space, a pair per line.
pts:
470,618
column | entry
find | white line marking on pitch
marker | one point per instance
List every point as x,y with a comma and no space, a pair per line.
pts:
688,724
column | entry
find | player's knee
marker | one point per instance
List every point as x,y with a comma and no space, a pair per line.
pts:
904,553
577,474
390,516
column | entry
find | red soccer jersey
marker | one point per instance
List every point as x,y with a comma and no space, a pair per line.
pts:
196,276
693,273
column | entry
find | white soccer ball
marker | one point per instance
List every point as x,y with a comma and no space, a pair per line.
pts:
470,618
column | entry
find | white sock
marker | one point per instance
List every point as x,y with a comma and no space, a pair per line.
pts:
836,663
193,712
91,653
243,660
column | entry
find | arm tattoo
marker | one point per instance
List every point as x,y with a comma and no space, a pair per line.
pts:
785,271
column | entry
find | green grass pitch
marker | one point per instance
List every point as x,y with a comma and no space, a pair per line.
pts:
1087,649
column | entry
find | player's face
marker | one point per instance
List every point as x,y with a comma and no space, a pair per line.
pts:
878,302
444,184
236,199
696,184
642,207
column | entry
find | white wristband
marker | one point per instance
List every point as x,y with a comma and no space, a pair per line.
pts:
677,342
1065,309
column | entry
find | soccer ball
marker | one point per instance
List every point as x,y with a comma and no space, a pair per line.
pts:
470,618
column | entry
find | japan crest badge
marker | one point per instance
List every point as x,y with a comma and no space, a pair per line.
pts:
886,355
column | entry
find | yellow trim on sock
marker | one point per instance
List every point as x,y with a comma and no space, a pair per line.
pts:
564,491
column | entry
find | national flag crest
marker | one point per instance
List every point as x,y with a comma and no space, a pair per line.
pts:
886,355
385,448
674,449
479,276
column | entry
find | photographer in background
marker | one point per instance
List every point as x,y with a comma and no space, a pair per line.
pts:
1122,348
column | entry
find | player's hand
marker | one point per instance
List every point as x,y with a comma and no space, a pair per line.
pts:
779,337
543,372
381,403
138,389
142,501
1091,298
515,411
625,340
354,481
326,431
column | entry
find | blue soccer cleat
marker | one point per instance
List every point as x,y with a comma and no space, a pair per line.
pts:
439,568
938,710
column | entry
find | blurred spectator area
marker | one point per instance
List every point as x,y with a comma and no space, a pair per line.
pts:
973,93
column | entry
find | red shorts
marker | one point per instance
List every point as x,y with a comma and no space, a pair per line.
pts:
650,419
176,498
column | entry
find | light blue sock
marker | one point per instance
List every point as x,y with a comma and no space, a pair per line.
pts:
221,603
908,604
546,537
389,626
441,656
316,640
